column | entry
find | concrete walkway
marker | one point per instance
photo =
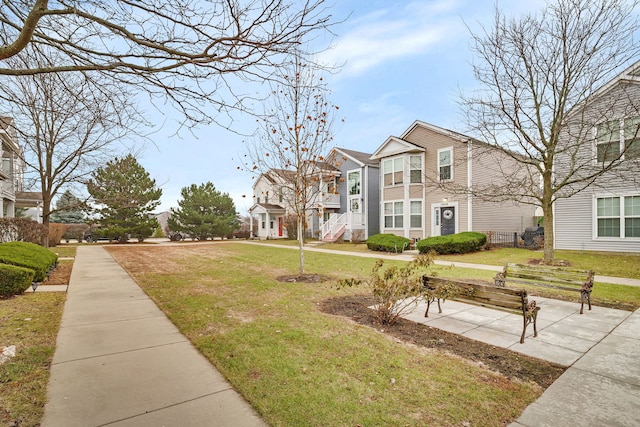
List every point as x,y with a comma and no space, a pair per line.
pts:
120,362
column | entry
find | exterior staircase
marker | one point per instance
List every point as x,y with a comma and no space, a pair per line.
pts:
334,228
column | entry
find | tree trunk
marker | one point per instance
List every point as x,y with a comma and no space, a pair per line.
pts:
301,243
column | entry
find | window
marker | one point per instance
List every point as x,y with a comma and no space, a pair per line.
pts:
632,216
608,141
618,216
416,214
393,171
632,138
616,136
415,169
609,217
353,180
393,212
445,164
280,195
263,220
272,219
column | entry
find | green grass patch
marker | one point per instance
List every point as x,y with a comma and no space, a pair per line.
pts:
602,263
66,250
299,366
30,322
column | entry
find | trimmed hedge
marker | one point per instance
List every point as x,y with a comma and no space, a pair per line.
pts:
387,243
14,280
461,243
28,255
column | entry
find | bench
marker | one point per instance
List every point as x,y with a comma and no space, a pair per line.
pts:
513,301
567,279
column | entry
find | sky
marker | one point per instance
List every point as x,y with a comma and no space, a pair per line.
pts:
402,61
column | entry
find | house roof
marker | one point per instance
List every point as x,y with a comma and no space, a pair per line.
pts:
266,207
631,75
452,134
28,199
419,146
363,159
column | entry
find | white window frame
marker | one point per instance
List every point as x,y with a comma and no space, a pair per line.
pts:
419,213
622,216
450,165
619,127
394,162
396,205
359,185
413,169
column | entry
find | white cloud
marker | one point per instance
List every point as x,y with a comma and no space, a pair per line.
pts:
391,34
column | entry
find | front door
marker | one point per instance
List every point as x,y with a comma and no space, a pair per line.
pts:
448,220
279,226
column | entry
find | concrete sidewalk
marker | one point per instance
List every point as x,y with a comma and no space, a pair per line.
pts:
120,362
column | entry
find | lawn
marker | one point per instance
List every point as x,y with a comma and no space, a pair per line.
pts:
30,322
602,263
299,366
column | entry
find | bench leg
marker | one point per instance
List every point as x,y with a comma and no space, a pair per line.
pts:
429,301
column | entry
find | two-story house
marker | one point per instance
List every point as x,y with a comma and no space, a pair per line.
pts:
11,169
357,215
275,194
605,216
12,194
414,201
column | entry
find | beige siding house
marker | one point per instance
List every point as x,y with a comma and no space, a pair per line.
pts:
414,170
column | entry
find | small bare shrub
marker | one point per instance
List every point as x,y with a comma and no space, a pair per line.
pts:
396,290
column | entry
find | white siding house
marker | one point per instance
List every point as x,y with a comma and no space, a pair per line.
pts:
605,216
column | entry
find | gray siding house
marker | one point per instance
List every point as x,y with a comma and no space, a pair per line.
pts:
416,169
605,216
357,216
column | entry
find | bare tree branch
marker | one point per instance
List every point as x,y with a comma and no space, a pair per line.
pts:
180,50
536,74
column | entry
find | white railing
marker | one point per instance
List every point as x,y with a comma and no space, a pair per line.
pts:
334,225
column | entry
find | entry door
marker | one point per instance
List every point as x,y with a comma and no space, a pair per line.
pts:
448,220
279,226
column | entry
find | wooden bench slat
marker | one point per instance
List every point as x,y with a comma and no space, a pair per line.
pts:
567,279
509,300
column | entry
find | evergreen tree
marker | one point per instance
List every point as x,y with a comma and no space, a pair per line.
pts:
204,212
69,209
126,196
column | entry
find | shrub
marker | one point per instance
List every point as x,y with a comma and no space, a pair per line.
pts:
395,290
75,231
21,230
56,231
461,243
28,255
14,280
387,243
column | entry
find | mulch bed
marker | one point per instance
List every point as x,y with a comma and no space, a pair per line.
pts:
508,363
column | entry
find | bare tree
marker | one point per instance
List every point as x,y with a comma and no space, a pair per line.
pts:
292,140
67,126
190,52
536,73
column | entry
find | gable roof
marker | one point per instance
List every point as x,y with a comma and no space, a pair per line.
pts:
631,75
359,157
452,134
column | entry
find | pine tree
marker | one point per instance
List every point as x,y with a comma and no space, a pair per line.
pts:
204,212
69,210
126,196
